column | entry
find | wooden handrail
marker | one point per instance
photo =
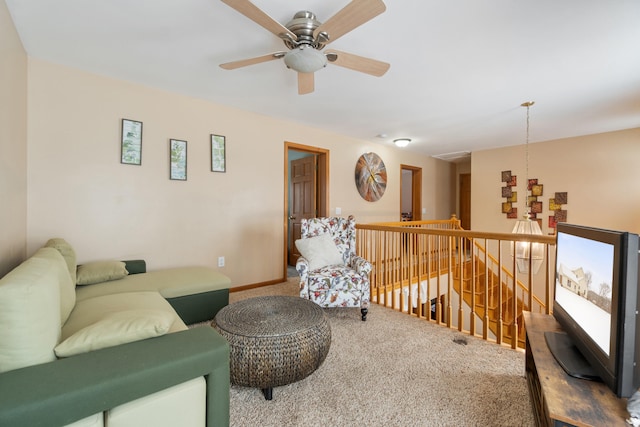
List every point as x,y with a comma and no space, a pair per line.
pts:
431,268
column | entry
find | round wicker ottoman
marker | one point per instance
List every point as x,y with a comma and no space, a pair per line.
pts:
274,340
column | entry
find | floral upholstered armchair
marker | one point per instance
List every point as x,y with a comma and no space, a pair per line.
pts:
331,274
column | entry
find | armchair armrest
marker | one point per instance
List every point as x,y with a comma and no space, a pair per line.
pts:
66,390
302,267
360,265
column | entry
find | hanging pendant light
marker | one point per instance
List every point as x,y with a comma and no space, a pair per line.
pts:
527,253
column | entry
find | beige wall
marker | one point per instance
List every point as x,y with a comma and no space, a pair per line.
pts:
13,144
79,190
597,171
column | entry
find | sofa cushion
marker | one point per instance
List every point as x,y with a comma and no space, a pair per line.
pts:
117,328
182,405
67,252
30,311
171,283
320,251
93,310
95,420
100,271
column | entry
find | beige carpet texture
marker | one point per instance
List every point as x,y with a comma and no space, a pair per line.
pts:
393,370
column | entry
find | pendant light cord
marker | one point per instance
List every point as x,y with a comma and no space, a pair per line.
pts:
527,204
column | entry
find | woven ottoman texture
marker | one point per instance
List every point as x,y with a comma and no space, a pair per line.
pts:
274,340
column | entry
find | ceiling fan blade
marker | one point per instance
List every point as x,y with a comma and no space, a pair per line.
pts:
351,16
257,60
357,63
254,13
305,83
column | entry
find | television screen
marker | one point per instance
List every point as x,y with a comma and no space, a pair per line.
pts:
596,303
585,277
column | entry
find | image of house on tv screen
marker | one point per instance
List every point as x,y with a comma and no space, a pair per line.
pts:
585,275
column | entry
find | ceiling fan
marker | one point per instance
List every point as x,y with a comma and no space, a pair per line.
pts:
306,37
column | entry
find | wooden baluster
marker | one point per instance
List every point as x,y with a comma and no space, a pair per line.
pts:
472,315
499,291
485,323
461,282
449,280
514,299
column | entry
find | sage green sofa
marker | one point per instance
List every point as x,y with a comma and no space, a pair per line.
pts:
114,351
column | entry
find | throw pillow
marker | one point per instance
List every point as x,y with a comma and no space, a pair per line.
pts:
117,328
67,252
320,251
100,271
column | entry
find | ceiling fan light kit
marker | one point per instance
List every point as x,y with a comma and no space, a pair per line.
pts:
305,37
305,59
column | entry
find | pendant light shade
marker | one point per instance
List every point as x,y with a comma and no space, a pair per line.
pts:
524,251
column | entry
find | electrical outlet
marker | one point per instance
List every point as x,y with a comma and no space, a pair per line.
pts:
220,261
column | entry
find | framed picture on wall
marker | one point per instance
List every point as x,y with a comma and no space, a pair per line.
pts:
178,159
131,142
218,153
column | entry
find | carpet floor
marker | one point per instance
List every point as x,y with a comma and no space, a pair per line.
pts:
393,370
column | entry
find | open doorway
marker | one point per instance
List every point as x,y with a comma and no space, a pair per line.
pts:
465,201
410,193
306,194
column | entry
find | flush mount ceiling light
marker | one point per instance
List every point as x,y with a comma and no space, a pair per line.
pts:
402,142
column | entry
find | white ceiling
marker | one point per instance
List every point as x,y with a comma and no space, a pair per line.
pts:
459,68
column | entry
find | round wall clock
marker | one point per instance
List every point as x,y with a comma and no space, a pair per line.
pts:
371,177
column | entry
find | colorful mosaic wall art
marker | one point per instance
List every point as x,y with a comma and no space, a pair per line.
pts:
511,197
535,190
555,206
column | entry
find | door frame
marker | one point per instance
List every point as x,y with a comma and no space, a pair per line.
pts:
416,191
322,191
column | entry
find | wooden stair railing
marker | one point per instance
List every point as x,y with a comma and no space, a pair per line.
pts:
492,311
415,261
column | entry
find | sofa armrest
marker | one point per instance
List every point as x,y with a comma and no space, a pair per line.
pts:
66,390
135,266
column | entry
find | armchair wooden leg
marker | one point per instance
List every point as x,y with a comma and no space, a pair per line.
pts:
364,312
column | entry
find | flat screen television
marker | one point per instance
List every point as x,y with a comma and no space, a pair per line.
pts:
596,301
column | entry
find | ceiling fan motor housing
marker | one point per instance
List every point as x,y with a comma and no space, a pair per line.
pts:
303,24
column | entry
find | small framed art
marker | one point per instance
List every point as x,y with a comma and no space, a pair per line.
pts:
131,142
218,153
178,159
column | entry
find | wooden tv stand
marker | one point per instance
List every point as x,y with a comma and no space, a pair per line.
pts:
557,398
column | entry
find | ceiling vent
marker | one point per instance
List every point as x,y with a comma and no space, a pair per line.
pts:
456,156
